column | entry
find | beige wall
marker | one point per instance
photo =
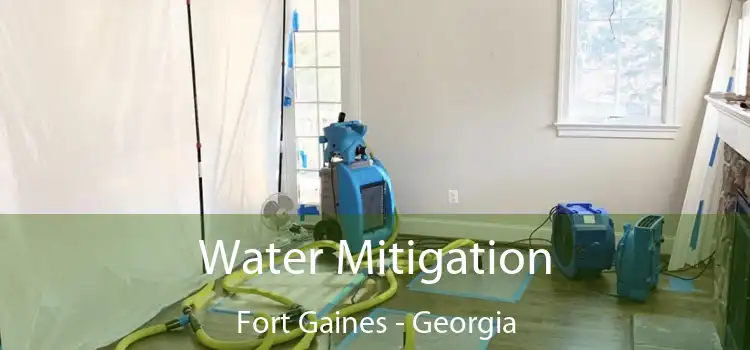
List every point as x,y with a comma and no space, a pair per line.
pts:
462,95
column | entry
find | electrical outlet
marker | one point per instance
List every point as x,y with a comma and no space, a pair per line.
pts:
453,196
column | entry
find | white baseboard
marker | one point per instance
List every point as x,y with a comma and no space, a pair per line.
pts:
485,231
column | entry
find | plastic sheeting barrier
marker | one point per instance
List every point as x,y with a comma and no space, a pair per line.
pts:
393,337
96,117
497,286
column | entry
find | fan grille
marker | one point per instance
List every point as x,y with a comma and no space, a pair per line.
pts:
563,242
277,210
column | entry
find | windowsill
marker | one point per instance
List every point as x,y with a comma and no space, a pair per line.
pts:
617,131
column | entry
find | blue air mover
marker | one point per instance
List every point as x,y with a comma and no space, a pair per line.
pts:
638,254
357,203
583,240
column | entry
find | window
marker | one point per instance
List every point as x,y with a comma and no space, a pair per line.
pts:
617,68
317,96
742,62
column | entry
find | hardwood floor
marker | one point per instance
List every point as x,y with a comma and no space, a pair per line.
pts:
553,314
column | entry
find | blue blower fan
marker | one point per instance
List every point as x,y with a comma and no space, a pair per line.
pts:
638,253
583,240
357,203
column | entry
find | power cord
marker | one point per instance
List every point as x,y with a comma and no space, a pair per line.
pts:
705,262
424,243
552,211
437,242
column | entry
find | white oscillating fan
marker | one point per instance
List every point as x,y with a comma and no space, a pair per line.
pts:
277,212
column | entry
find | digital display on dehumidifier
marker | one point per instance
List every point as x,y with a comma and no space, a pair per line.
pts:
373,205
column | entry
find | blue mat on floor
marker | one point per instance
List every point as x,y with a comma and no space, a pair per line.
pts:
680,285
392,338
498,286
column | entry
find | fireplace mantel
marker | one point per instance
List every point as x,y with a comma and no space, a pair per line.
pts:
722,122
733,125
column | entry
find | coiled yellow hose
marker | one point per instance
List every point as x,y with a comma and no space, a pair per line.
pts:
233,283
409,333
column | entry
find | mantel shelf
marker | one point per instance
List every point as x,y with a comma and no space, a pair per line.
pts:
733,125
730,109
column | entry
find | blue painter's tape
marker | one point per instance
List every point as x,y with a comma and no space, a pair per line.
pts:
416,285
290,51
696,227
295,21
379,312
680,285
303,159
714,150
730,84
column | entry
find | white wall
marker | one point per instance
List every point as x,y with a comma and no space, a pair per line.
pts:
462,95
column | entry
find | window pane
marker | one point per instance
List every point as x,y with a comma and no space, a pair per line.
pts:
306,119
329,49
306,14
644,9
596,47
642,45
308,153
598,10
328,14
329,113
306,81
640,79
640,94
308,183
329,84
304,49
593,96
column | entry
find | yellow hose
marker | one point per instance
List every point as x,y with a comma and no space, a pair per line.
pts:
233,283
409,333
139,335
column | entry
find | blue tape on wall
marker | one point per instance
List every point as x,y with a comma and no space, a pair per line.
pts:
288,76
714,151
303,159
295,21
730,84
696,227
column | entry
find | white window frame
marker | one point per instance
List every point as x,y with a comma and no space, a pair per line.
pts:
566,127
351,83
290,170
743,47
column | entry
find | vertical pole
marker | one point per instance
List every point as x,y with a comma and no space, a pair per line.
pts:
197,125
284,43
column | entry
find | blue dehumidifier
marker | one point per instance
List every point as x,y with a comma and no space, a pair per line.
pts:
357,204
638,253
583,240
